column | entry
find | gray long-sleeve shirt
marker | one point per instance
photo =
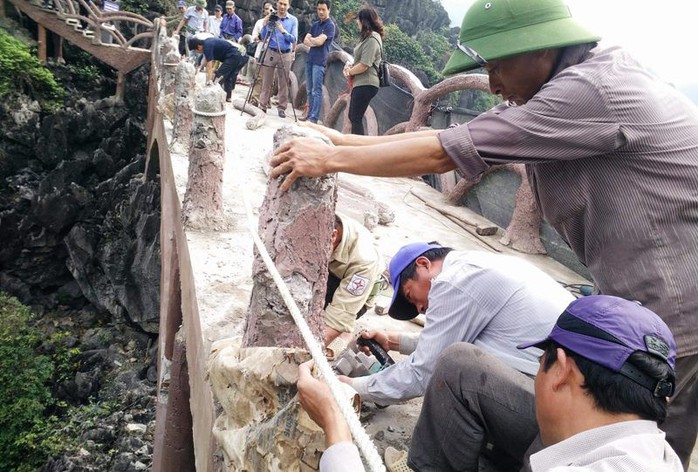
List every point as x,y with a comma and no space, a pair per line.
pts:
490,300
611,153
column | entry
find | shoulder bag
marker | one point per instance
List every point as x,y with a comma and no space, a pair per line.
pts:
383,68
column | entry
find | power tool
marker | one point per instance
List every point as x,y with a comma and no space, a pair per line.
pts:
355,363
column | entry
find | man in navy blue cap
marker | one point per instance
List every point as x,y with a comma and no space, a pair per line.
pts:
601,390
215,49
490,300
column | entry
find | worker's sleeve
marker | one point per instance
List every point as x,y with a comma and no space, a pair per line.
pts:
340,457
351,295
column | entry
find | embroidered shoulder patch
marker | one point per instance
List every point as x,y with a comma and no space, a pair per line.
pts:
357,285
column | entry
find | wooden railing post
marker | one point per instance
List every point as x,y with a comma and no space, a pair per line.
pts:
120,85
42,44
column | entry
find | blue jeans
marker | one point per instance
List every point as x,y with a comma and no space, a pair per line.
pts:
314,75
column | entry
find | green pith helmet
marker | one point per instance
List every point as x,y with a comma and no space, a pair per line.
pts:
200,3
495,29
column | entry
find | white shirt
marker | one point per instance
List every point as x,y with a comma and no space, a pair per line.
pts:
341,456
213,25
492,301
256,31
628,446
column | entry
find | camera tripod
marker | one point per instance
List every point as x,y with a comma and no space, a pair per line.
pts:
283,76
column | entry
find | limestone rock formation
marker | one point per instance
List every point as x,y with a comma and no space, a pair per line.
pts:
75,213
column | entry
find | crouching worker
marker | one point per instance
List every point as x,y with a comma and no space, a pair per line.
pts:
232,60
601,391
354,280
489,300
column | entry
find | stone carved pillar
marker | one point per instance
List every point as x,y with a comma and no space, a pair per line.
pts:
185,78
203,199
296,227
170,57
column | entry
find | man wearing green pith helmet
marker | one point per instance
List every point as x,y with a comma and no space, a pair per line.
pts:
611,154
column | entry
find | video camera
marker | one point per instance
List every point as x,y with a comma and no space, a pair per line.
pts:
273,15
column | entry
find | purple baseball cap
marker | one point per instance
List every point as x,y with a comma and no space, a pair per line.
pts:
607,330
182,4
400,308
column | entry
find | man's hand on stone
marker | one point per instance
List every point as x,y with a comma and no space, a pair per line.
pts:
301,157
332,134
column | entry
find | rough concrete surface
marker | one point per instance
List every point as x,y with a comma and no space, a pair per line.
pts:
222,261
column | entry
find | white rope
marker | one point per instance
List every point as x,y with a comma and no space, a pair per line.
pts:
209,113
363,442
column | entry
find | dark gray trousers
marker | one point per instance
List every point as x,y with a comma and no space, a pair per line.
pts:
472,399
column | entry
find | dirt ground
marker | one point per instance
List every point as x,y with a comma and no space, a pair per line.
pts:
222,260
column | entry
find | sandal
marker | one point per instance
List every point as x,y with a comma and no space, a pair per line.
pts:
396,461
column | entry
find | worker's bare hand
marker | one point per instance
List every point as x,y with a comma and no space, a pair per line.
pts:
380,336
333,135
301,157
344,379
314,396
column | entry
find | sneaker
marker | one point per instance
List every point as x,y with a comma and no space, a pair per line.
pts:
282,114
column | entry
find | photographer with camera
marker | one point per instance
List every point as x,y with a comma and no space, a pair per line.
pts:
281,31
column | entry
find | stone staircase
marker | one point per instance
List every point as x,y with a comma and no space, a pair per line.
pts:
103,34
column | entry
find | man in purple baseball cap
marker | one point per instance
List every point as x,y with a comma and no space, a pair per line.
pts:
601,390
454,289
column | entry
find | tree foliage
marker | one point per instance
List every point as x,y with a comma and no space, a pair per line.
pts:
406,51
344,13
425,55
23,73
436,47
23,388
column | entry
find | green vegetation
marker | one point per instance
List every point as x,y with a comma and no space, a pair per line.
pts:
436,47
344,13
85,69
26,412
23,387
406,51
23,73
425,55
484,101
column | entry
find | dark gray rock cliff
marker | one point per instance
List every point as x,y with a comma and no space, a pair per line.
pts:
78,223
